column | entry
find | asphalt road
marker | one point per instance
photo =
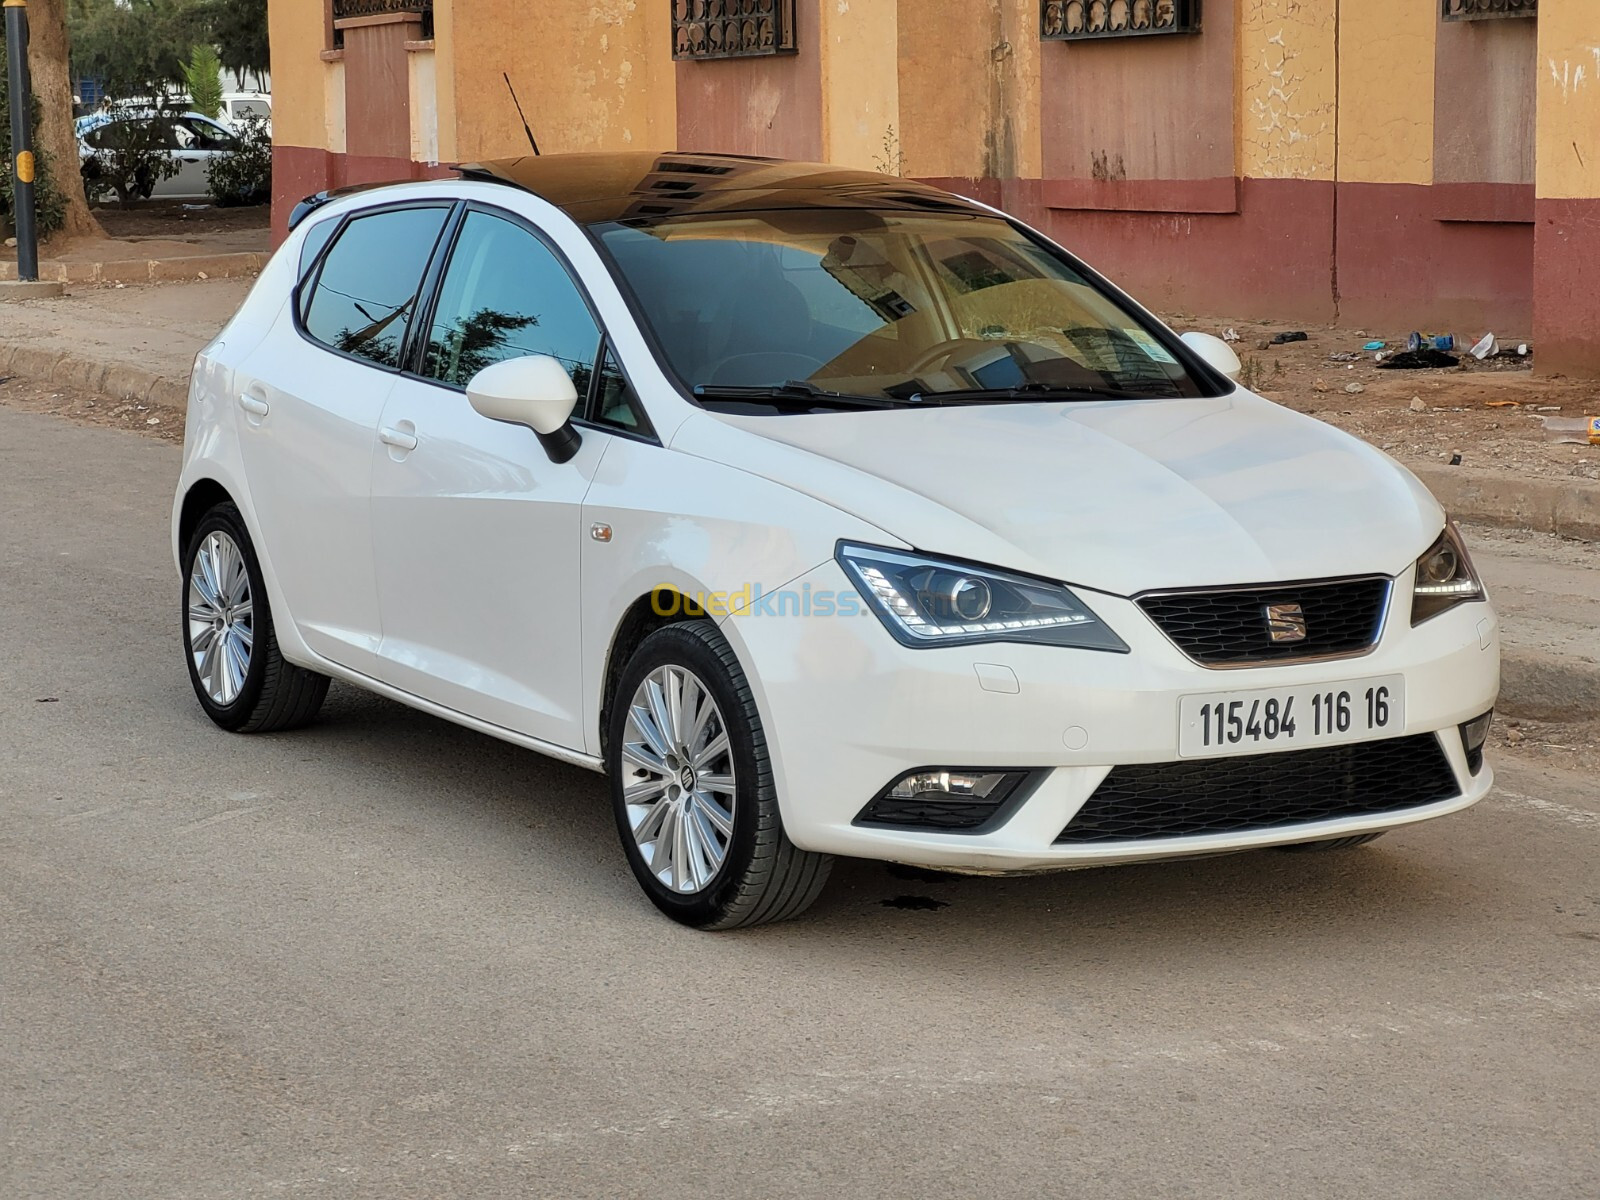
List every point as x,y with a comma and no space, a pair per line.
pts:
388,957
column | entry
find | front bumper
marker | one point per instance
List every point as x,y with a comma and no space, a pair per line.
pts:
846,709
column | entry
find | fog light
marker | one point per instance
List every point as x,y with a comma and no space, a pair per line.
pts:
952,785
1473,735
943,799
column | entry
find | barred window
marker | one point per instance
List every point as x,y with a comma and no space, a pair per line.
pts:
1074,20
1481,10
706,29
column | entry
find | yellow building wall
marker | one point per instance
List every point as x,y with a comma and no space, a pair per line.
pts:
1288,89
1568,140
1386,60
969,88
596,76
860,83
299,109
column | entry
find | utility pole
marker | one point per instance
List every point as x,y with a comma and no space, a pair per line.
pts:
21,164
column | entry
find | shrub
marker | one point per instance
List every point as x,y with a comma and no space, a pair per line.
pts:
49,205
245,176
129,156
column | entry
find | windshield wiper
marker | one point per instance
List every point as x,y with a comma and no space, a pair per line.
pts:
796,393
1037,392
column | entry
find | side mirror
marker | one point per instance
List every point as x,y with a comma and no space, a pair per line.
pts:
535,391
1215,351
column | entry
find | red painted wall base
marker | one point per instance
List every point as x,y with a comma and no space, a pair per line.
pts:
1566,301
298,172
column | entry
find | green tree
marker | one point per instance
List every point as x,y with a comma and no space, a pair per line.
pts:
239,29
203,74
137,47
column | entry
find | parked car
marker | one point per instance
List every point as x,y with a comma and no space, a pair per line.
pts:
827,514
239,107
190,140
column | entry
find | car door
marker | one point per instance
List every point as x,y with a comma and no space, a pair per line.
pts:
197,143
475,531
308,405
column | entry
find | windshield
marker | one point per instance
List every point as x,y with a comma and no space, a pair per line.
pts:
898,307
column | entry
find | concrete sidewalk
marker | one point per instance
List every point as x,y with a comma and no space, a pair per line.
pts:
128,343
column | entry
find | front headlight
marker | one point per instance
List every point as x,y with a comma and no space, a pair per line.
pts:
1445,577
926,601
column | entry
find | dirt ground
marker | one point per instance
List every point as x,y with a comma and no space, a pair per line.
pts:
1490,413
163,229
90,408
173,218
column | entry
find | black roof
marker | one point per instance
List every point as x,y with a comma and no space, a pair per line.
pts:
649,185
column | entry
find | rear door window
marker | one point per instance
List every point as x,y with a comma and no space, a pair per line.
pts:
366,292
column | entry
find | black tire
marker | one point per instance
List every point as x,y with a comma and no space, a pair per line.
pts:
763,877
1344,843
275,694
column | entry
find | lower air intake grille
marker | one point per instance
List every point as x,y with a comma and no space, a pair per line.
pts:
934,815
1264,791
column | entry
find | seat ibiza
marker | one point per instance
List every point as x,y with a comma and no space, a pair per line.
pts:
825,513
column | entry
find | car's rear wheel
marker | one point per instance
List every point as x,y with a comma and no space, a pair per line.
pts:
1344,843
692,788
239,675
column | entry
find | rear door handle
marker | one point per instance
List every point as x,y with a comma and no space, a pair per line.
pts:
254,405
390,436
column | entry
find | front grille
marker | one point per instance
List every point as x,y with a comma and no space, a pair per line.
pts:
1228,626
1264,791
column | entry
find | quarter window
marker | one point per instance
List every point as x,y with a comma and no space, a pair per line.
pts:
615,403
366,293
506,295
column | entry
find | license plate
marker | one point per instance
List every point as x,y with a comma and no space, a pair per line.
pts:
1254,722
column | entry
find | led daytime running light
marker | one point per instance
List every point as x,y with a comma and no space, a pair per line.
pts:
905,611
1456,587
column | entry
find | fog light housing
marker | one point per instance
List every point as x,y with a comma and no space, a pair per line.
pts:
946,799
1473,735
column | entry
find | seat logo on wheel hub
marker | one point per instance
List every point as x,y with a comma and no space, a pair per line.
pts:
686,779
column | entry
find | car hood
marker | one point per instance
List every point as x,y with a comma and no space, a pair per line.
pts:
1122,496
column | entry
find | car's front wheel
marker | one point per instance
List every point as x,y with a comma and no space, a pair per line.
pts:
239,675
692,787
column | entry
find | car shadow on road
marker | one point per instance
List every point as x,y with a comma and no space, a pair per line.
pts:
1224,908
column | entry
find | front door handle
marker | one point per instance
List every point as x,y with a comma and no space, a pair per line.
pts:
254,405
400,440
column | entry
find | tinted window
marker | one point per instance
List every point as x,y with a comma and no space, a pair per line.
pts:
505,295
885,305
316,238
193,133
615,403
367,291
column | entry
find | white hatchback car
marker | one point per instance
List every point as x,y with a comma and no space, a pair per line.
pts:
827,514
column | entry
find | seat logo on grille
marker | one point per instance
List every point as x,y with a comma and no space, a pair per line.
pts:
1286,622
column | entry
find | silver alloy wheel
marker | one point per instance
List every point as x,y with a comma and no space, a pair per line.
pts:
221,617
678,778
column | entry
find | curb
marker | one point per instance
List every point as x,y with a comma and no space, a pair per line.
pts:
1543,687
113,380
1570,507
147,270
